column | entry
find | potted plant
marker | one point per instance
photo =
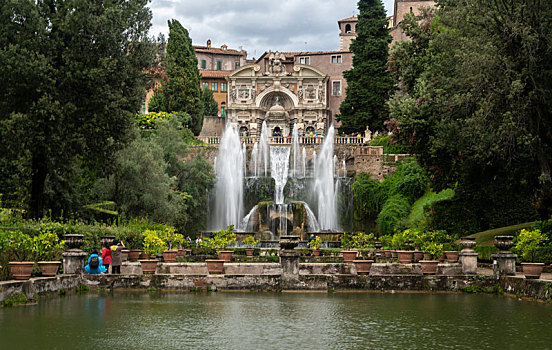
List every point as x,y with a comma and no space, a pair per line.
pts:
48,249
18,246
527,246
250,242
435,250
399,241
153,245
347,244
315,245
220,240
452,255
173,240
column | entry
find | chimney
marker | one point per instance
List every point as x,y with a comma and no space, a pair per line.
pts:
224,47
209,43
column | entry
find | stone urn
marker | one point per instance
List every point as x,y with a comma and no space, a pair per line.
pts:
21,270
49,268
170,255
289,242
532,270
249,251
452,255
225,255
405,256
467,243
74,241
215,266
429,267
149,266
106,239
504,243
134,254
349,255
363,266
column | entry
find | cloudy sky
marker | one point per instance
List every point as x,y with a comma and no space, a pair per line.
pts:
259,25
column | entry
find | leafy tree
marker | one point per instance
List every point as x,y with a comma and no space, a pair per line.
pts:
368,82
72,78
183,91
209,103
473,106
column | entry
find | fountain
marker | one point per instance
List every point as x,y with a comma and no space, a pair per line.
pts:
283,196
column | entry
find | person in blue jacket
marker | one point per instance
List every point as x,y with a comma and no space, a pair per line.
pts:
94,265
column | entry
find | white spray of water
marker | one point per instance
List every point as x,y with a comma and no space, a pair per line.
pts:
304,161
254,155
312,223
264,148
279,168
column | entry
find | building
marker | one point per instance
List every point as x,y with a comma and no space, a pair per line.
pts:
214,65
287,88
402,7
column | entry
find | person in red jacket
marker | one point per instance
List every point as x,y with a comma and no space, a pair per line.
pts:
106,256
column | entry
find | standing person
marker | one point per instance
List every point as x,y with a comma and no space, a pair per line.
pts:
106,256
116,259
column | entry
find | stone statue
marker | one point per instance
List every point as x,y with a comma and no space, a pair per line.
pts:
321,95
253,92
233,94
276,65
300,93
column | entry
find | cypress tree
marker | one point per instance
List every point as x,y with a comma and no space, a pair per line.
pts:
368,82
209,104
183,91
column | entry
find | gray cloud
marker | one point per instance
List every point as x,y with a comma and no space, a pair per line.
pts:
258,25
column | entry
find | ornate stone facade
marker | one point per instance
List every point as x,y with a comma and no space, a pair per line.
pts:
280,96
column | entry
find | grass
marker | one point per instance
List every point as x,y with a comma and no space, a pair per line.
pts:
417,214
487,237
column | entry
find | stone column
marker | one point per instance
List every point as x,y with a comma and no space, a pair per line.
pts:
73,261
289,260
504,263
468,256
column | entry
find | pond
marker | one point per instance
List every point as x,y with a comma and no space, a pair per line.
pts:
277,320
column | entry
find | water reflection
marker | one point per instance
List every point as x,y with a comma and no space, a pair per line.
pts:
275,321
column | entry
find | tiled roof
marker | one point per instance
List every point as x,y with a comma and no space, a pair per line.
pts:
290,55
206,73
350,19
217,50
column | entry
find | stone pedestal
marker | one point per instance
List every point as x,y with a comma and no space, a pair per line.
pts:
73,261
504,264
469,262
290,263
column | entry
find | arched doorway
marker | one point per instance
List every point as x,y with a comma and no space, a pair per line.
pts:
277,131
244,132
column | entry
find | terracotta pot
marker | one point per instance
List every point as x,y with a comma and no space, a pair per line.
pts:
429,267
316,252
532,270
144,256
225,255
134,254
170,255
363,266
215,266
405,256
418,255
249,251
349,255
21,270
124,254
149,266
180,252
427,256
49,268
452,255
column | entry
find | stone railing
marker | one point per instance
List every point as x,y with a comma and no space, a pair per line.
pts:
281,140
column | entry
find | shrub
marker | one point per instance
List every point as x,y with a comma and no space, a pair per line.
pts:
153,244
221,238
250,241
435,250
47,246
315,244
394,210
528,243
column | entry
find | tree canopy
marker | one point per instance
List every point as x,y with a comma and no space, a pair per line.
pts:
368,83
73,75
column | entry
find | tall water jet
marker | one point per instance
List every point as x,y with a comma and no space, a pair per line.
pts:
324,185
263,148
304,162
312,223
344,168
254,159
244,155
279,168
296,155
229,182
313,163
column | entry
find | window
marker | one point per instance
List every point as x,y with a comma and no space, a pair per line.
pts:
214,86
205,85
222,87
336,59
348,28
203,64
304,60
336,88
219,65
236,64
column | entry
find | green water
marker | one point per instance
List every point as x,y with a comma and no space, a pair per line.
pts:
277,321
